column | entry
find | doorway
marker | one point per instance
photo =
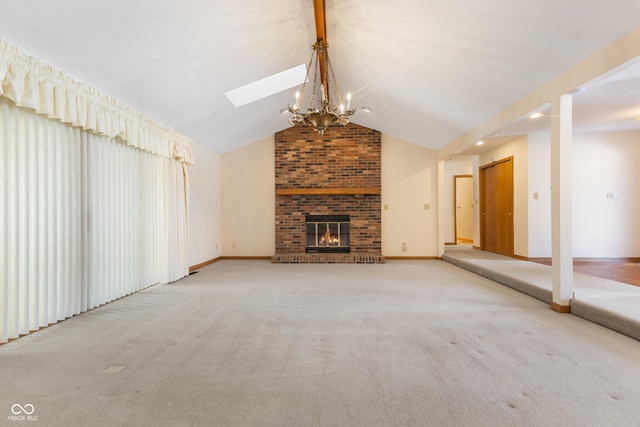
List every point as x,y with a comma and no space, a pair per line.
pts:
496,207
463,208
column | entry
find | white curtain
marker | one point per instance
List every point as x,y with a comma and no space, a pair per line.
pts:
84,219
174,236
40,237
31,83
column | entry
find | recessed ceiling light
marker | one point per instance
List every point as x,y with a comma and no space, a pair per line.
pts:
536,115
366,109
479,142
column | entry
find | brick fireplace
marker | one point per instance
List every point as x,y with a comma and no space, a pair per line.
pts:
337,174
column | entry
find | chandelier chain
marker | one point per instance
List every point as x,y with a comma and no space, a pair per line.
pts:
335,84
306,79
315,83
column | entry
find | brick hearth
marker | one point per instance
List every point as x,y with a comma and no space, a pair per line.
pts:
335,173
327,259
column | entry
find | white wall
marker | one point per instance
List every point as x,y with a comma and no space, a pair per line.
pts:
408,183
539,149
606,162
517,149
453,167
409,175
602,162
204,205
248,200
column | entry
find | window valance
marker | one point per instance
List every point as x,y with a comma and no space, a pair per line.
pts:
30,83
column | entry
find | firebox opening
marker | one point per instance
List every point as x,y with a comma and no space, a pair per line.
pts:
328,233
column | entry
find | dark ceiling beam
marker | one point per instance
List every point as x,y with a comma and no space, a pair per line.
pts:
321,20
321,36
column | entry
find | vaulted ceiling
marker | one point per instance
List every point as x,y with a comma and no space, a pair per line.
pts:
429,70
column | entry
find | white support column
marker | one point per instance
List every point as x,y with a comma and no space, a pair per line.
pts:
561,218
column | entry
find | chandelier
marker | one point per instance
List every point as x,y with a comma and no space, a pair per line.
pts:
329,108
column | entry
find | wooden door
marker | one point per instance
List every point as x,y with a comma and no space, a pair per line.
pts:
496,207
463,208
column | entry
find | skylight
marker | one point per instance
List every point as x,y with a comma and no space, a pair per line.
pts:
267,86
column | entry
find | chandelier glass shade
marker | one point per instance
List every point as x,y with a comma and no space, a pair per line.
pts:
329,108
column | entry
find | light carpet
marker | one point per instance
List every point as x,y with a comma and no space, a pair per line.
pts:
250,343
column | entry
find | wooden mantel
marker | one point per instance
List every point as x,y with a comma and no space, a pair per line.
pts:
306,191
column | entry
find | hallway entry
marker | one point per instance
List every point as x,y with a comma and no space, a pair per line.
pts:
496,207
463,208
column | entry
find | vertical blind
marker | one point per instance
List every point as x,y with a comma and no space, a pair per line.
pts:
84,219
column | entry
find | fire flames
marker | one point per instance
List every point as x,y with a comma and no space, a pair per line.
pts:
328,239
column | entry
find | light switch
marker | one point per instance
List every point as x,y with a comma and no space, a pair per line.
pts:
536,196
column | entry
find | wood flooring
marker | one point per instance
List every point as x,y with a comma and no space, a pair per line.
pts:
623,272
